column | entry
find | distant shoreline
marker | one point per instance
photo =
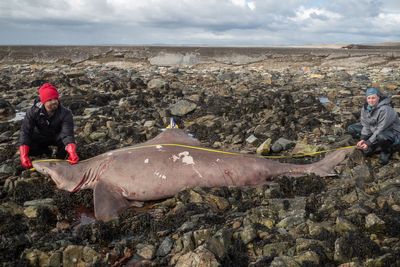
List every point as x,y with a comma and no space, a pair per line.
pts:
192,55
385,45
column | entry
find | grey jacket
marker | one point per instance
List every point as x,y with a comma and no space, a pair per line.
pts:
382,117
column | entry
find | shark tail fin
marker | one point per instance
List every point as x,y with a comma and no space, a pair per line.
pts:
325,166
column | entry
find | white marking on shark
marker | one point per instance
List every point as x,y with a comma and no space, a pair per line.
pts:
146,161
160,175
186,158
175,158
109,154
196,171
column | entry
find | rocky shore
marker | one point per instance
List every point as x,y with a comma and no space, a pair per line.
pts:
235,99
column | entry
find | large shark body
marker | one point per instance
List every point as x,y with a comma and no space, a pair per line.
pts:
165,165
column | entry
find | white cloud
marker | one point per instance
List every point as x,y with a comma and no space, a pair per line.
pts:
244,4
303,14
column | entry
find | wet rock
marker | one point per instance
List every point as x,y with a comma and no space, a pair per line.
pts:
354,245
387,259
55,259
146,251
182,108
201,257
37,258
284,261
156,84
362,174
252,140
276,249
79,255
199,236
7,169
185,243
29,189
34,211
282,144
216,202
220,243
96,136
304,148
308,258
248,234
374,224
323,249
343,225
264,148
165,247
149,124
6,110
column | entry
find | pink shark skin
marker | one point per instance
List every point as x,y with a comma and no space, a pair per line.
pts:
157,170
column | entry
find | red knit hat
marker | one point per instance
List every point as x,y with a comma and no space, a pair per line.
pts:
47,92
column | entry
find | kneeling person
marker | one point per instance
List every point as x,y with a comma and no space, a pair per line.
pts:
379,126
47,123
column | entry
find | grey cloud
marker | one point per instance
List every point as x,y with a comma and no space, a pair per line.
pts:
356,8
192,22
317,16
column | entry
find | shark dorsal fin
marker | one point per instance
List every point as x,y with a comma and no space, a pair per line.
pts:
171,136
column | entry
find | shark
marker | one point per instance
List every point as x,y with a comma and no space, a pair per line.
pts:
167,164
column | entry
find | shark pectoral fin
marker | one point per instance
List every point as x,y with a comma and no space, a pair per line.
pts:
108,201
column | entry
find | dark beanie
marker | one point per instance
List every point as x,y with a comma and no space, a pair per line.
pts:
48,92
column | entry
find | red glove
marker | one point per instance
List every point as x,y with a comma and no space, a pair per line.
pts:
73,157
24,156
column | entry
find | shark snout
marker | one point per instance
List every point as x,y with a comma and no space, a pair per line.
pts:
61,172
46,169
41,168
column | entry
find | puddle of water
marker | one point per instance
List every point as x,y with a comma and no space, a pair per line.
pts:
19,116
323,100
84,216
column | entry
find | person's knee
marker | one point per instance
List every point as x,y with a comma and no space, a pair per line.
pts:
350,129
383,138
353,131
61,153
40,150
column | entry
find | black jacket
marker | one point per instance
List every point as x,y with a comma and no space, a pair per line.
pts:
38,125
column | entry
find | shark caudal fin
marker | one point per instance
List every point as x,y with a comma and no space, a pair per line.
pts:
325,166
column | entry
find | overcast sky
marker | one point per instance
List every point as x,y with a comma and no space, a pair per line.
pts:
198,22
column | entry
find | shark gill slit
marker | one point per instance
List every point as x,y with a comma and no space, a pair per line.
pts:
88,177
93,174
80,184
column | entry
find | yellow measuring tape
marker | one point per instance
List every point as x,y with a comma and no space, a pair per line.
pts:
300,155
237,153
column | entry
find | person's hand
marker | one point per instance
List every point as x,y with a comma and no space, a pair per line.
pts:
362,145
73,157
24,157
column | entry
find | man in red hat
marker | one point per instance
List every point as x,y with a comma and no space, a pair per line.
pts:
47,123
